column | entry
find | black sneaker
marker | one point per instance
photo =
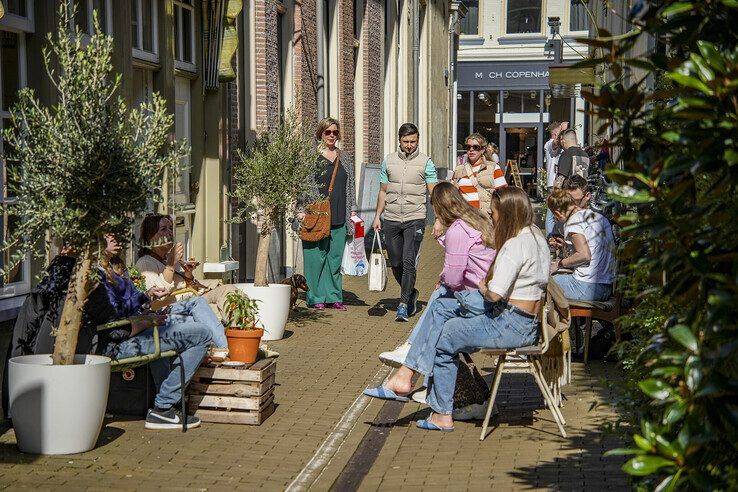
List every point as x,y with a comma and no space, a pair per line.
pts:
169,419
412,305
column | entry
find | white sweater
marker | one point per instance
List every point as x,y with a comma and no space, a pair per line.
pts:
522,266
153,270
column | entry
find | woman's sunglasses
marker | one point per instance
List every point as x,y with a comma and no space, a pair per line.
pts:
328,133
475,148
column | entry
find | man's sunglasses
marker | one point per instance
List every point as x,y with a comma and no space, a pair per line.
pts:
328,133
475,148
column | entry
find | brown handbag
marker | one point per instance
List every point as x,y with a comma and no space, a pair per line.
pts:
317,222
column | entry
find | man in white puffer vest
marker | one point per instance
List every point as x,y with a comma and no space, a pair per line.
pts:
406,179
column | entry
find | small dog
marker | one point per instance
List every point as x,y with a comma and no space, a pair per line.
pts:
296,281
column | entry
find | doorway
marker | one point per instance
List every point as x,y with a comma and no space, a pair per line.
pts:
523,144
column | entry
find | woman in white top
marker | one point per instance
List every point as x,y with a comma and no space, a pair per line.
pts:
516,284
160,261
593,259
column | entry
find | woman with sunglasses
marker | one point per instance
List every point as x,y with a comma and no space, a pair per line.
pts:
322,259
477,173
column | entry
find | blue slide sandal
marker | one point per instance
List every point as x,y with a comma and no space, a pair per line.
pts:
430,426
385,394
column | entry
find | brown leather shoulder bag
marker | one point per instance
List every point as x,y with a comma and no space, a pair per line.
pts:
317,222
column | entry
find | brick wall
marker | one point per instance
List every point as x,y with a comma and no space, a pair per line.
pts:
266,64
346,70
304,61
372,59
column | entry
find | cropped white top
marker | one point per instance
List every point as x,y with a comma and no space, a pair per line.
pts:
522,266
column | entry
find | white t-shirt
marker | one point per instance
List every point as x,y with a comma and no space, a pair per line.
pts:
551,157
598,233
522,267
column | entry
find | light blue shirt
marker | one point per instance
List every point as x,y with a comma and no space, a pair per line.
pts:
430,173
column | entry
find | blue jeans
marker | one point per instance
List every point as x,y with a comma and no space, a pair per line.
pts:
190,340
442,291
198,310
499,328
468,303
576,289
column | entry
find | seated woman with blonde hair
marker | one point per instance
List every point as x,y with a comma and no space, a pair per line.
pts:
160,261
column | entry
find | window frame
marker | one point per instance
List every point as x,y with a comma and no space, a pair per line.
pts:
480,24
23,286
140,53
539,33
18,23
188,66
568,19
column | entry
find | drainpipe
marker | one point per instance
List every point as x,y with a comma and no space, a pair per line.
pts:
416,62
320,68
450,81
458,12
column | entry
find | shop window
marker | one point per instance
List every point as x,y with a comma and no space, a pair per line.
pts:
12,78
144,30
486,115
578,16
184,34
470,23
524,16
522,101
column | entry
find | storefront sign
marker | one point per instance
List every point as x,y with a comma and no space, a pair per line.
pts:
503,75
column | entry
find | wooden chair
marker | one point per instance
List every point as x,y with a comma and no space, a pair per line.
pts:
531,363
121,365
602,310
515,173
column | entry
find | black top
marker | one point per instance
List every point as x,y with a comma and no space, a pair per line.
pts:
566,161
338,195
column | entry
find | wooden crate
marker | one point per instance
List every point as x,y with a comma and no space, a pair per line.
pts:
234,396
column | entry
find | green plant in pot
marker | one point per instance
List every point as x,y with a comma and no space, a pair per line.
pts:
243,335
276,172
83,165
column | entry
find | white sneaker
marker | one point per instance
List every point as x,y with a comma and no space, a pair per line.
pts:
395,358
475,411
419,396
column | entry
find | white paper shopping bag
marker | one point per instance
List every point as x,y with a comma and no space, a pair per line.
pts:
377,267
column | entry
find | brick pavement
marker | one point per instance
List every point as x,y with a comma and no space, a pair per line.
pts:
325,362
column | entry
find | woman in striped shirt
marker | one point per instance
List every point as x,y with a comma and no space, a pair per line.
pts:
478,173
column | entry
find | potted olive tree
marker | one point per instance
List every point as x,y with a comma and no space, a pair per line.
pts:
86,167
278,170
241,320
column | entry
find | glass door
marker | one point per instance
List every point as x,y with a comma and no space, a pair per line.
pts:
524,147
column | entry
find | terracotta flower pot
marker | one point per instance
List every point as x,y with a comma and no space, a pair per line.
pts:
243,345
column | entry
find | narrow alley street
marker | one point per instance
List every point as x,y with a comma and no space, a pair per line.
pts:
325,435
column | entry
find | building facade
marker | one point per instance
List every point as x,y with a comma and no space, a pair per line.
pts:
503,89
159,46
371,64
229,69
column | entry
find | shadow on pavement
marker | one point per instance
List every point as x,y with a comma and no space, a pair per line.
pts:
303,316
351,299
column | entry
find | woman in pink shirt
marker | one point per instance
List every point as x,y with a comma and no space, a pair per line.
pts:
469,254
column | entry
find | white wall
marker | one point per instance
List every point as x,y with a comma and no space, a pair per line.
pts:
492,43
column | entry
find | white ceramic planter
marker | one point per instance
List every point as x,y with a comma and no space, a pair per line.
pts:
58,409
274,307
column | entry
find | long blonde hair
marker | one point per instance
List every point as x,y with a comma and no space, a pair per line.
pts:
449,205
514,212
